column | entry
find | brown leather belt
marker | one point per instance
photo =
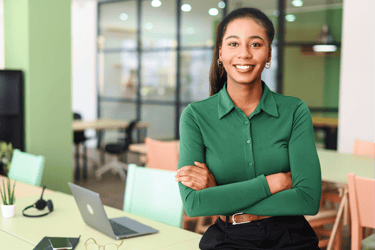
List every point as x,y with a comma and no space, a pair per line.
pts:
241,218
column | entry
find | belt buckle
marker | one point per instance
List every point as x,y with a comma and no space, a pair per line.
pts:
237,223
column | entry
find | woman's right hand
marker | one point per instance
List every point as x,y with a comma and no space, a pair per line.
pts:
279,182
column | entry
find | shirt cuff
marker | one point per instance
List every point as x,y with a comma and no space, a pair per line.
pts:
265,185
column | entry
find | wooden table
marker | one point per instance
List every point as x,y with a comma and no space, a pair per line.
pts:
104,124
66,221
335,168
100,125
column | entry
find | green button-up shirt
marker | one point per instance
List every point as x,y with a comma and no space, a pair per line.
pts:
240,151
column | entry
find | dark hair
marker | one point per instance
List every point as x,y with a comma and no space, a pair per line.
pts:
218,76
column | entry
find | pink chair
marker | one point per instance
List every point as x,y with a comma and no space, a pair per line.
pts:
364,148
162,154
362,206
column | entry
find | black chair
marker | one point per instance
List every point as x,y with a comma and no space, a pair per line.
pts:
120,150
80,139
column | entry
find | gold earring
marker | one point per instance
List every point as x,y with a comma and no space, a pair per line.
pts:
268,65
220,63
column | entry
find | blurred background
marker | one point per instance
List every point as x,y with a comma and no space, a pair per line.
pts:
153,58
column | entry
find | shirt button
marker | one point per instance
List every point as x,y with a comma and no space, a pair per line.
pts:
246,122
250,164
248,141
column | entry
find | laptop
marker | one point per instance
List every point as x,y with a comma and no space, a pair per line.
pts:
93,213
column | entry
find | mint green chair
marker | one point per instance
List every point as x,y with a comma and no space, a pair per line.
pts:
153,194
26,167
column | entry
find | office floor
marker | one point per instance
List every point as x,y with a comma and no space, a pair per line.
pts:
111,188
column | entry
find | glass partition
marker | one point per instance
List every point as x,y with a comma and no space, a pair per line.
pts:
158,24
118,25
161,120
118,74
199,21
158,75
195,69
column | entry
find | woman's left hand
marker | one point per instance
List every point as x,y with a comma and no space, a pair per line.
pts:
197,177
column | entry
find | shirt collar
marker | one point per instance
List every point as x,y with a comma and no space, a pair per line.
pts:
267,102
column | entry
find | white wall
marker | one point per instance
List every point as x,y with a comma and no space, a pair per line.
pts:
2,52
357,80
84,23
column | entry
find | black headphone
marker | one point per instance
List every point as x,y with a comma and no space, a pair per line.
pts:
40,205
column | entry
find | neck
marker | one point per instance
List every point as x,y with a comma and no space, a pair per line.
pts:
245,96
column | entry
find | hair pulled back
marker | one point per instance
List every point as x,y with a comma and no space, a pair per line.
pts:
218,76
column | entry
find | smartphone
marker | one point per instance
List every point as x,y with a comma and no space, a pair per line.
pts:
60,243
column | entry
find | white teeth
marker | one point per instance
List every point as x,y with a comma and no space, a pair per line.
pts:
243,67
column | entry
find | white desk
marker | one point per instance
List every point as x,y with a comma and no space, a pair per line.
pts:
9,241
66,221
186,245
24,189
335,168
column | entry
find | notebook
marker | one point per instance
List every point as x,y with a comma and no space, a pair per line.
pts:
94,215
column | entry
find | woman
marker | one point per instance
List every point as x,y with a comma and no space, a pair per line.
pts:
246,153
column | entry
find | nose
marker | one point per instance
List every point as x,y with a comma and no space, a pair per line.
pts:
245,52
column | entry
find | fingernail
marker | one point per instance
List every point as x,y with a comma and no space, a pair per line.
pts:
196,162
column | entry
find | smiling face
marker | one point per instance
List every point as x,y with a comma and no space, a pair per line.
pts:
244,51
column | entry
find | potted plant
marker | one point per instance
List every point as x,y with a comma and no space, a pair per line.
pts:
9,200
6,152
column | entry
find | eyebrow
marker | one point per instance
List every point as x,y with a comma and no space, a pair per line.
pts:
250,37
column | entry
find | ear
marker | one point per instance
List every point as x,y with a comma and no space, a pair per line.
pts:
220,53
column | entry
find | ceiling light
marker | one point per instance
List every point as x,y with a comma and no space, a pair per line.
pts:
186,7
148,26
290,17
155,3
297,3
221,5
124,16
213,12
324,48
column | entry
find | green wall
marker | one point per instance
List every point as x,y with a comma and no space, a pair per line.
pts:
37,37
314,79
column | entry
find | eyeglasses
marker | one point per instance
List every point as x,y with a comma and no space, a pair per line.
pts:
94,246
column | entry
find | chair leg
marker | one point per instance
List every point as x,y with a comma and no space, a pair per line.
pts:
76,172
121,170
115,166
103,169
338,239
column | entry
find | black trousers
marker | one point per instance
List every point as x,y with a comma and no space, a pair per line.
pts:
277,232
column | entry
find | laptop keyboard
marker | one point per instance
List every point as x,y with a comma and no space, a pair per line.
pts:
121,230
